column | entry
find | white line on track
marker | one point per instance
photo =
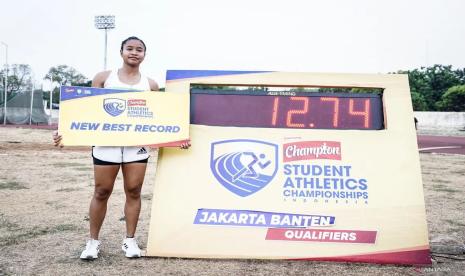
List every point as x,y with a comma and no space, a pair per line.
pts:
434,148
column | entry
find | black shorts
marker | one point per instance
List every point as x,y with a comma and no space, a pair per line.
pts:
119,155
104,163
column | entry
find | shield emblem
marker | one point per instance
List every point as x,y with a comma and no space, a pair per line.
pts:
114,106
244,166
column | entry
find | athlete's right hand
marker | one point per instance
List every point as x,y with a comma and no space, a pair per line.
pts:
57,139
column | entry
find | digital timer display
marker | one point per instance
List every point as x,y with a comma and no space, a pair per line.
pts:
304,110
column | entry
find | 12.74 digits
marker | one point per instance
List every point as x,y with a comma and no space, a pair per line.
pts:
322,111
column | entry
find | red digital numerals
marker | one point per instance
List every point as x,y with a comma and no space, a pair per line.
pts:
346,112
365,113
335,102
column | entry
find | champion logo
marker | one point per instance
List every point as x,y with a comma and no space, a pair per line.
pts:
142,151
137,102
311,150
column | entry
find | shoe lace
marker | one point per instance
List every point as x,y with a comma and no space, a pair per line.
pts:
131,243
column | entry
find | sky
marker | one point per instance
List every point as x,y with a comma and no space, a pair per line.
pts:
343,36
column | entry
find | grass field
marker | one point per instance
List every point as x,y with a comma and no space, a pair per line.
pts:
45,193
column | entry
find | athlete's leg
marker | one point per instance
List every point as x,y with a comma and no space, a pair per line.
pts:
133,174
104,176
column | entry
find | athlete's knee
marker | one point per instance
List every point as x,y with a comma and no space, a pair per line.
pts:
102,193
133,192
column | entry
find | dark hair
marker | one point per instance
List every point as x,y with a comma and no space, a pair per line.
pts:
132,38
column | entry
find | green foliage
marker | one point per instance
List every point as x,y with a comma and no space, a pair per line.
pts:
209,86
55,96
440,79
419,102
367,90
333,90
257,88
431,83
66,75
227,88
19,79
453,99
303,89
84,84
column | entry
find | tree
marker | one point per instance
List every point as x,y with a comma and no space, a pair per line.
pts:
419,102
210,87
55,97
453,99
460,73
440,79
432,82
333,89
65,75
19,78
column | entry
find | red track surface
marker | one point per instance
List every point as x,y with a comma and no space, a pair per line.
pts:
441,144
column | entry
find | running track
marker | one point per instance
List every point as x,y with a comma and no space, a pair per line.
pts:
441,144
426,143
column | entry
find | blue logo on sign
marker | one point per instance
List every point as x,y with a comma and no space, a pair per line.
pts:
244,166
114,106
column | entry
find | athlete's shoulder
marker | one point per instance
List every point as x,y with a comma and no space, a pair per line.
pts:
100,78
153,85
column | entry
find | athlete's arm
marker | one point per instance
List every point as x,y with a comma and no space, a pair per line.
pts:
100,78
153,85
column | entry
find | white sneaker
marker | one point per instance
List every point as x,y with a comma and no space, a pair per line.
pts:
131,248
92,250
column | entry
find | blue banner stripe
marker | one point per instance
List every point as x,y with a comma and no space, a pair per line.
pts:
186,74
261,219
77,92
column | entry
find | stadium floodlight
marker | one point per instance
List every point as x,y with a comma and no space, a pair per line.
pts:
105,22
6,80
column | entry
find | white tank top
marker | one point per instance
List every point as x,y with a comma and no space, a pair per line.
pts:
120,154
114,82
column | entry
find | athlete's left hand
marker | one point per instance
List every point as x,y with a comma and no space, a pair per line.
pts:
185,145
57,139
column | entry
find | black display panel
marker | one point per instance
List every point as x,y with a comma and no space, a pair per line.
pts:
304,110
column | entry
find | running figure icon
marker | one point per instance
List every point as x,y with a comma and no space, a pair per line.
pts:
249,171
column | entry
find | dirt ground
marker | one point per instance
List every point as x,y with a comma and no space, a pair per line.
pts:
44,197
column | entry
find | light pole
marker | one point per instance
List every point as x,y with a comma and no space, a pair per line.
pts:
32,99
51,99
105,22
6,80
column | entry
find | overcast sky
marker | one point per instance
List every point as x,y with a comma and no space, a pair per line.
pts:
353,36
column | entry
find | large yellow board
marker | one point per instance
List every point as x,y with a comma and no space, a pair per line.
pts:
381,220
